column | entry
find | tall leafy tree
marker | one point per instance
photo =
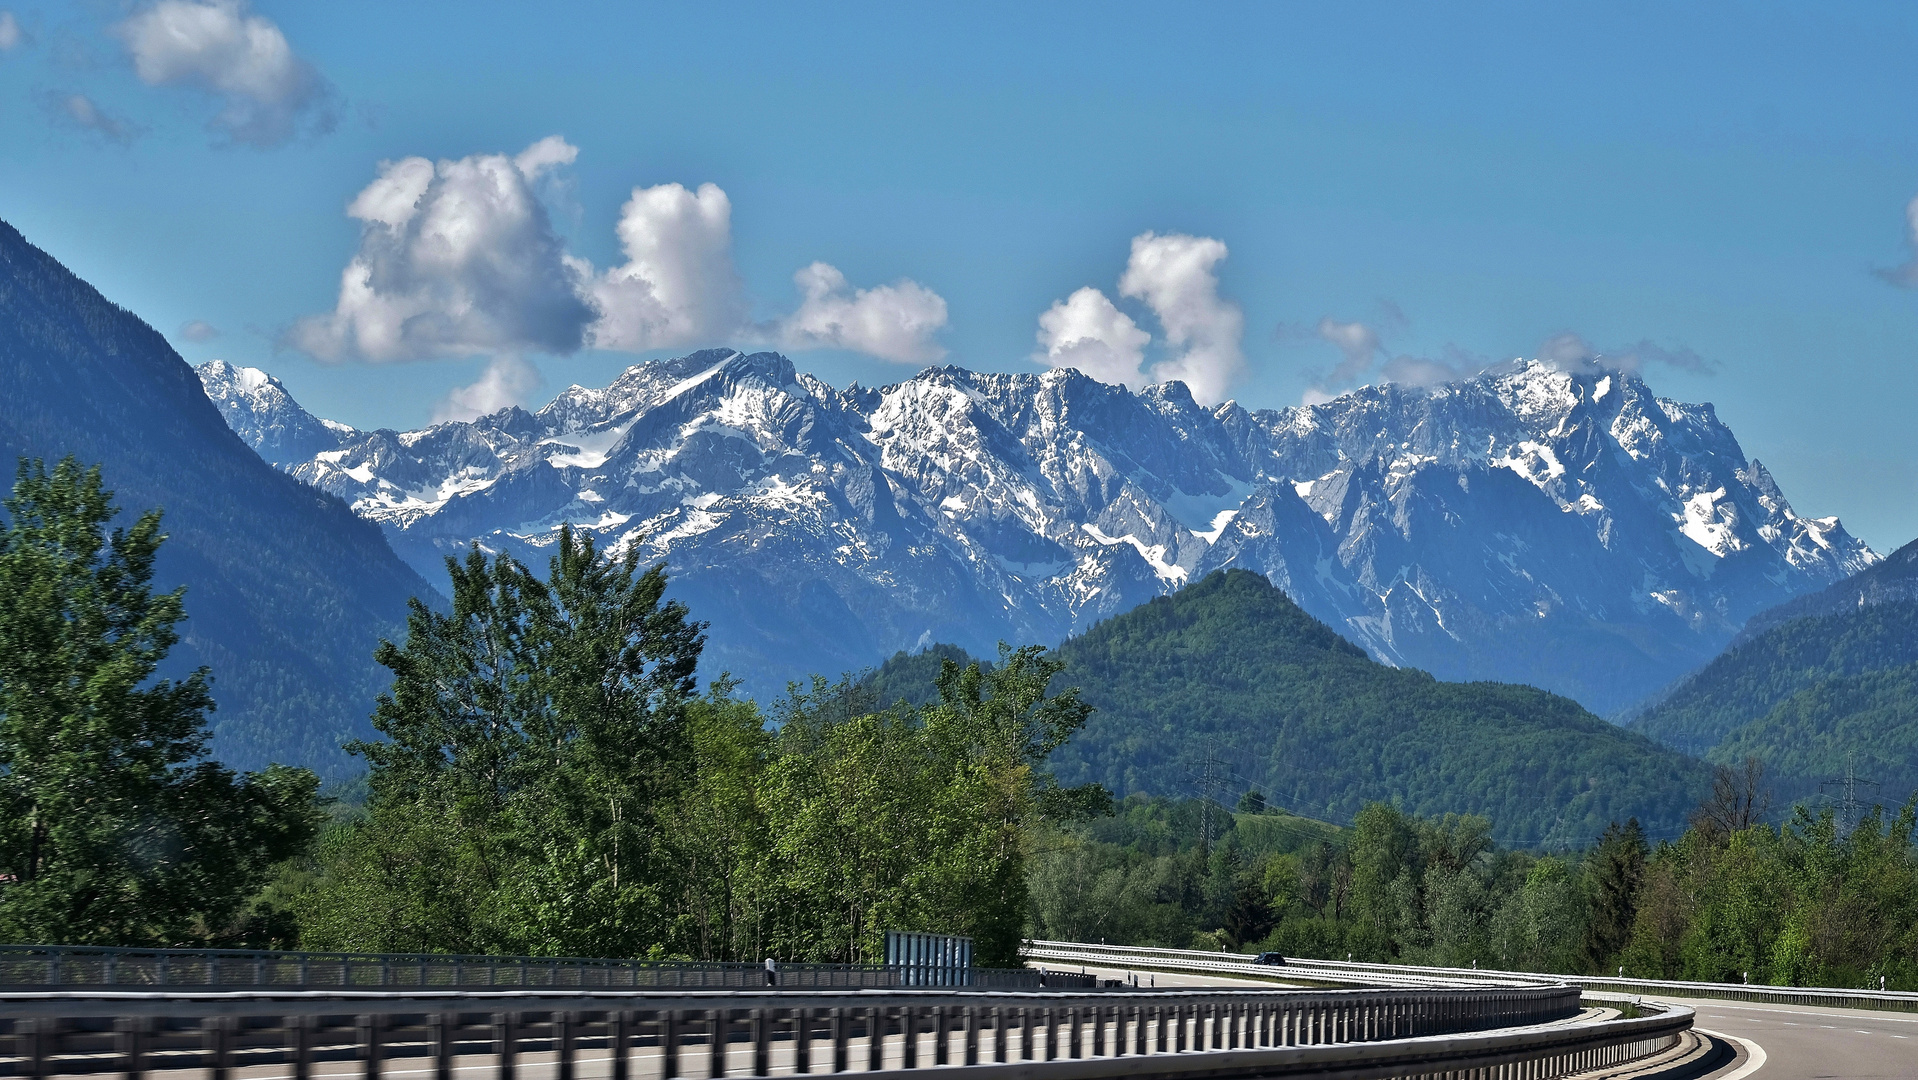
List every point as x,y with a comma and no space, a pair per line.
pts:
535,735
113,829
917,818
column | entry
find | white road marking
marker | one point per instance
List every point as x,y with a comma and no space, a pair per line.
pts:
1757,1052
1803,1012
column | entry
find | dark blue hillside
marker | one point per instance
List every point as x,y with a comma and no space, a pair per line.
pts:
287,591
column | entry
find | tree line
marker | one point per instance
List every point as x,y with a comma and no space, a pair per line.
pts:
1811,901
551,780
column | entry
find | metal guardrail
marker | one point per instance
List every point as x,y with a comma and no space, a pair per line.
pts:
1057,1036
1342,971
35,966
1240,966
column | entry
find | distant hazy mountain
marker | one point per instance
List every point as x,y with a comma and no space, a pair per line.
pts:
288,591
1824,683
1227,686
1571,531
1893,578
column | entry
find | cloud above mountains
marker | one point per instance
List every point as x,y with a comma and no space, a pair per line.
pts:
456,258
1175,276
459,258
267,93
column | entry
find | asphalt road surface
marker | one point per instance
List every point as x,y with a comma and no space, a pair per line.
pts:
1799,1042
1802,1042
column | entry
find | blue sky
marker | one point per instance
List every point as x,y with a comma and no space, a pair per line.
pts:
1726,183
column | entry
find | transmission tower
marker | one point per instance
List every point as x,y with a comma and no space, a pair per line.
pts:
1850,807
1210,779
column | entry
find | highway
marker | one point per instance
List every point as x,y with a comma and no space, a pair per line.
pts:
1802,1041
1798,1042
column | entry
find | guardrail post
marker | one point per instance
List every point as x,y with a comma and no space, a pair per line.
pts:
440,1034
802,1040
841,1040
130,1032
1098,1031
622,1044
369,1035
220,1033
970,1017
506,1044
564,1025
762,1042
716,1025
669,1026
43,1036
998,1035
301,1028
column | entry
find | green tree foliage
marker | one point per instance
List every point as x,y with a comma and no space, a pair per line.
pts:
550,785
918,817
1803,903
534,734
113,829
1616,870
1806,903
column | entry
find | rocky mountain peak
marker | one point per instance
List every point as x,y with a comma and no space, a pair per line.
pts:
1571,530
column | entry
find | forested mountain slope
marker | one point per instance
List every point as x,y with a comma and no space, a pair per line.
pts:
288,591
1228,683
1825,683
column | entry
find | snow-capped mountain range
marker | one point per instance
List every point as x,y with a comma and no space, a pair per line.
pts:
1573,531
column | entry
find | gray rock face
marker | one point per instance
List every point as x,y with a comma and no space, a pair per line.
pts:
1571,531
260,410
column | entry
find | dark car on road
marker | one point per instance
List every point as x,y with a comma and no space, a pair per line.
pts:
1269,958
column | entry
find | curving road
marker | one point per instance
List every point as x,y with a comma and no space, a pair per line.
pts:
1803,1041
1797,1042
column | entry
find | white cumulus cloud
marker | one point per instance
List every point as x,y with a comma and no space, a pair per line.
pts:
1086,331
678,286
11,35
1175,276
268,93
507,380
892,322
456,258
459,258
